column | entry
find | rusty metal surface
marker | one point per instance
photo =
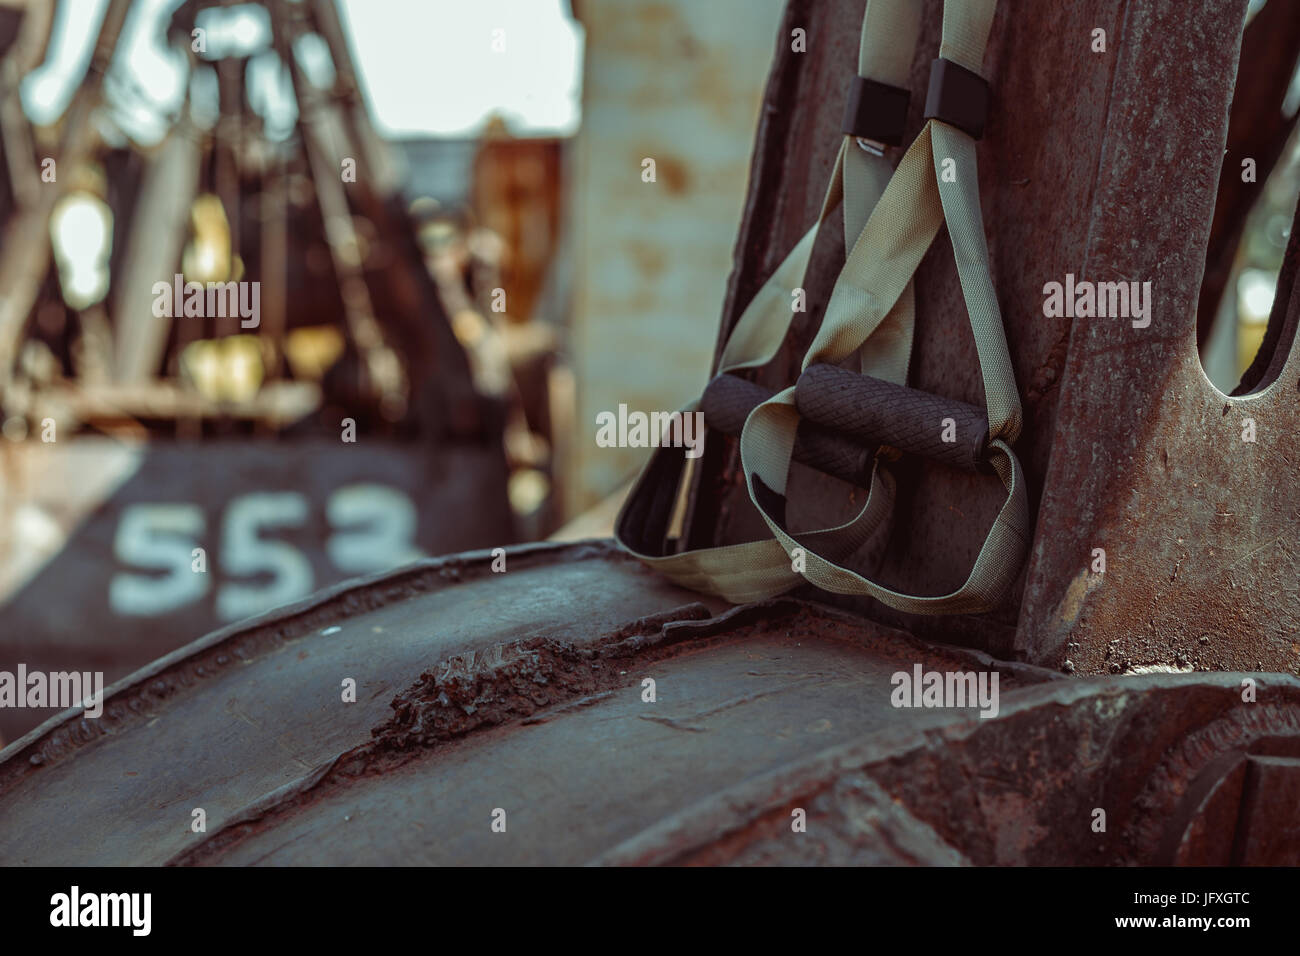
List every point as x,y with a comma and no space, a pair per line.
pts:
1127,447
524,691
739,696
1021,789
1198,525
228,719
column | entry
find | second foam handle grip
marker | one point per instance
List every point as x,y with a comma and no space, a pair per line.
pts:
872,410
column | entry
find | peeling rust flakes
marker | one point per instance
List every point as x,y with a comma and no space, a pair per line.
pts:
509,681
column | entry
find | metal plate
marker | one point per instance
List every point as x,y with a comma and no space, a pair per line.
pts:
97,537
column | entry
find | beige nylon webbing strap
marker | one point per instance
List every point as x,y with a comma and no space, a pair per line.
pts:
891,222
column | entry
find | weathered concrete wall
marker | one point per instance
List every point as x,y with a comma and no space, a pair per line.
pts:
680,82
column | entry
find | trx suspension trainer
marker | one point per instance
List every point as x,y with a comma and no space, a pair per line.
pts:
833,418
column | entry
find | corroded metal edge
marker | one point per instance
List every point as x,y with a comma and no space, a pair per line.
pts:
435,710
733,820
127,700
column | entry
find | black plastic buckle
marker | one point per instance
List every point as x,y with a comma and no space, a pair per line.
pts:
958,97
876,112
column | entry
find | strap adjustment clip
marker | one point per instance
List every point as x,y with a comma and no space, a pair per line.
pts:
957,96
875,113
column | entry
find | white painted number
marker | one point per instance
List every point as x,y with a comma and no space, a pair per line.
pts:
373,526
156,538
379,529
245,554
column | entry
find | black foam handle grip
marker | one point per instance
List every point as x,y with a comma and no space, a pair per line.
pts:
728,400
872,410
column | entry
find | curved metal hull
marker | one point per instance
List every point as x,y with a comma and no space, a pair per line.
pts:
503,717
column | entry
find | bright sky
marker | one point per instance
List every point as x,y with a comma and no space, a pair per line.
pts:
429,67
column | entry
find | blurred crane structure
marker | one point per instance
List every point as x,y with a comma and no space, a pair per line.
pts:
227,376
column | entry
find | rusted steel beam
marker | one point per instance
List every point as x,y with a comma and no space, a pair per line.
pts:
375,154
1191,495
